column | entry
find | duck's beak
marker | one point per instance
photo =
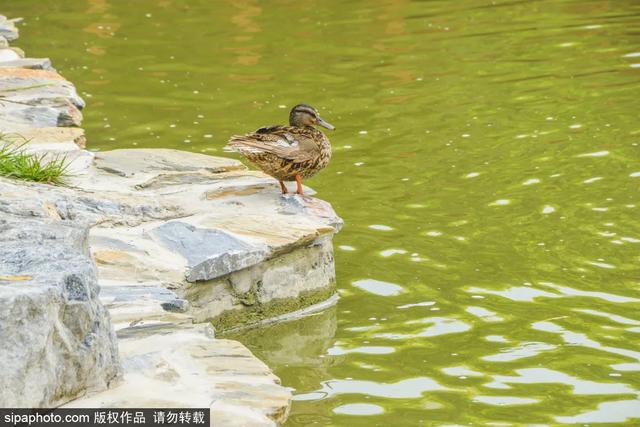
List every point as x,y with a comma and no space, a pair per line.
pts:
321,122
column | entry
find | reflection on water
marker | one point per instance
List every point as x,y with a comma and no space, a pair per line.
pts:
378,287
359,409
529,349
410,388
542,375
504,400
486,162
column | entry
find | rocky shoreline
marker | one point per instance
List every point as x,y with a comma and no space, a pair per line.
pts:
112,288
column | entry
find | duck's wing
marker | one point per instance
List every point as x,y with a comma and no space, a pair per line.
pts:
287,142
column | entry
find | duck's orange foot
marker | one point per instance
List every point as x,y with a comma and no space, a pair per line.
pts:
283,187
299,185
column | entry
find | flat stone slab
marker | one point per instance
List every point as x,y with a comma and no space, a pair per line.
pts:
131,162
232,218
51,139
8,28
35,86
10,54
16,74
29,63
123,253
108,210
210,253
16,116
269,219
168,361
179,365
78,161
141,304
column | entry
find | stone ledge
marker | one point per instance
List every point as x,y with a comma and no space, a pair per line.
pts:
283,284
48,139
214,238
8,29
169,361
33,98
180,365
231,237
29,63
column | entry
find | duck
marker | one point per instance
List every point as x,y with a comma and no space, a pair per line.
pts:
288,153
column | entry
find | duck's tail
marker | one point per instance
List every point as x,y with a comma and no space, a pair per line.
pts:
244,145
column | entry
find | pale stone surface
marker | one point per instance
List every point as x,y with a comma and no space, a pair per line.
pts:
235,231
8,29
170,362
152,163
16,115
156,345
78,161
32,98
139,304
178,365
30,63
123,253
49,139
284,278
209,253
57,340
10,54
37,86
44,200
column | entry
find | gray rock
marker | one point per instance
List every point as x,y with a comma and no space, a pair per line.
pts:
111,243
57,339
29,63
8,29
210,253
283,284
32,87
10,54
176,305
181,365
294,204
48,139
42,200
130,162
16,116
157,294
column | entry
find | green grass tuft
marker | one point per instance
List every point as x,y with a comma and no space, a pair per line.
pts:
16,163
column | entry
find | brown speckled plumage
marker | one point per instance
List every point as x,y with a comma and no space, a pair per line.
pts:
288,153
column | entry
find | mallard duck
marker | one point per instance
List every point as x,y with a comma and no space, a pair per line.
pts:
288,153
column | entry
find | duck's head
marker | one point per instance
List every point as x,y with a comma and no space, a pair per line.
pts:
305,115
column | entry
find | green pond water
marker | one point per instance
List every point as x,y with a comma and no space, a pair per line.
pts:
486,164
